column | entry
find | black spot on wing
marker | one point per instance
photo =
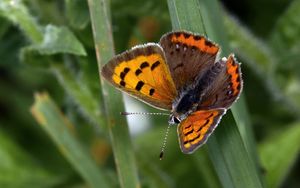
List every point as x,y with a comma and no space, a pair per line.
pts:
189,132
122,83
138,72
144,65
208,43
139,85
237,70
178,66
151,91
126,70
206,122
123,74
192,140
154,65
186,35
187,127
197,37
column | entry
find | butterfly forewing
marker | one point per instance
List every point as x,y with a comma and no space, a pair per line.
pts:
188,56
143,73
194,131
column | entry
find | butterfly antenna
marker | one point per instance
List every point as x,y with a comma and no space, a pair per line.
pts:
161,155
144,113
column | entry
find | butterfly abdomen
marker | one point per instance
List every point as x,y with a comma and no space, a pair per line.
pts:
208,78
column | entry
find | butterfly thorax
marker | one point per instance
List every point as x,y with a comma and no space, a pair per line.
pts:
189,98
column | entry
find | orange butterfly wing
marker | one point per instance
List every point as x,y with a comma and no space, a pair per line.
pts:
194,131
143,73
188,56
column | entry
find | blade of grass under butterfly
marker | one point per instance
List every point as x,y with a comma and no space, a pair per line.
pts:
231,147
117,126
60,129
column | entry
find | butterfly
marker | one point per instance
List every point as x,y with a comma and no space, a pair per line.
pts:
181,74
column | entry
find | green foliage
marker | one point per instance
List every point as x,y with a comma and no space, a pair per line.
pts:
62,133
278,154
76,137
18,163
58,40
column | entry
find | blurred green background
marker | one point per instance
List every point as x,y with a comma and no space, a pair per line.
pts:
47,58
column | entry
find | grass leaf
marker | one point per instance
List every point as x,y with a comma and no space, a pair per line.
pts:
232,153
113,104
58,40
15,162
17,13
80,93
279,152
62,132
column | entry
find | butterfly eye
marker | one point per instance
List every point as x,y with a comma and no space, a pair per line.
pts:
176,120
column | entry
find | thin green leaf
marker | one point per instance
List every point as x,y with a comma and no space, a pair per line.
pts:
60,129
230,158
205,167
17,13
15,162
58,40
279,152
232,153
113,104
80,93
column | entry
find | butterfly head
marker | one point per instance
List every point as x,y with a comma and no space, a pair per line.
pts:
174,119
183,106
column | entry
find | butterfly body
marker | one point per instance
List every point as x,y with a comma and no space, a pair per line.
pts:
180,74
190,97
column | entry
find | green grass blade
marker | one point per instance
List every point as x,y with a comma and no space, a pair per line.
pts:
230,158
80,94
279,152
15,162
17,13
60,129
233,153
117,126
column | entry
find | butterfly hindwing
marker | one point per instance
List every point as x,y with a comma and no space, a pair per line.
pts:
194,131
226,86
143,73
188,56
